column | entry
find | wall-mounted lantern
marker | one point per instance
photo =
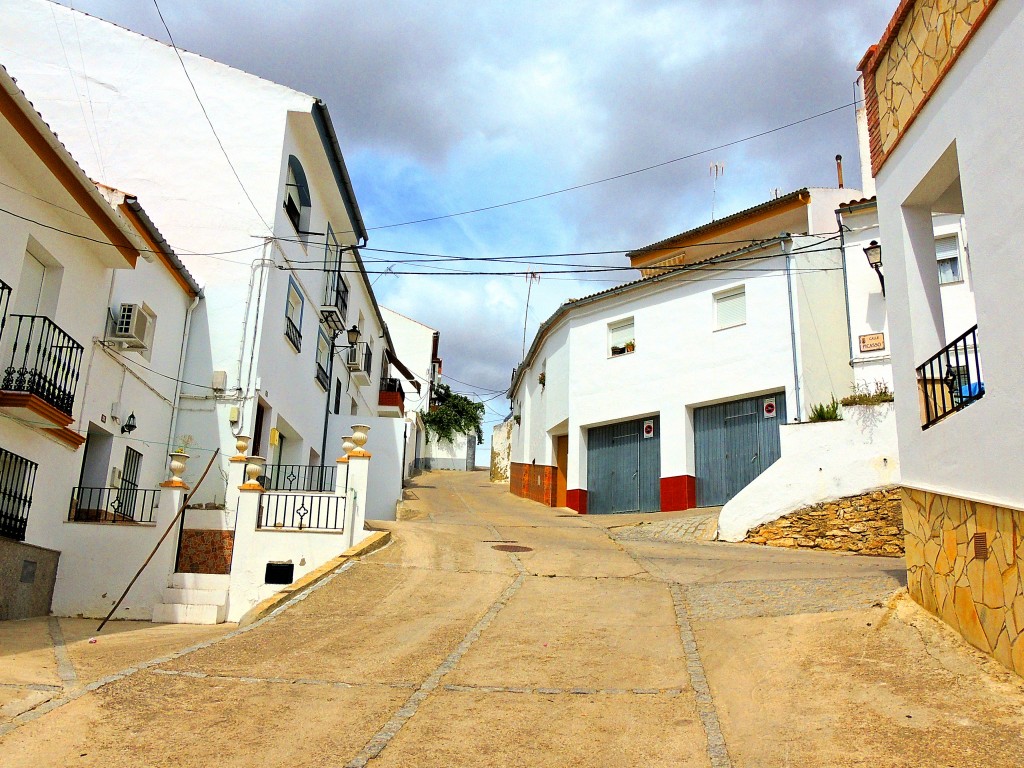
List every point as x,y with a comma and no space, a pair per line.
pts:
129,425
873,251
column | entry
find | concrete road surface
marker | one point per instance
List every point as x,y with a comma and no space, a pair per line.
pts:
497,632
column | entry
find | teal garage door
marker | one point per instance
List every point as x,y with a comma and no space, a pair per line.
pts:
624,467
735,442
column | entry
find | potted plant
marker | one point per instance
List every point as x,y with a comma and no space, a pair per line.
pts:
179,457
543,378
630,345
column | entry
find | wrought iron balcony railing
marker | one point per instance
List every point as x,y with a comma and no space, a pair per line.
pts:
389,384
293,334
298,477
360,357
951,379
42,360
321,376
298,511
17,482
126,504
336,294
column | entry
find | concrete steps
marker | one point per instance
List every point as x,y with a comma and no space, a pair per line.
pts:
193,598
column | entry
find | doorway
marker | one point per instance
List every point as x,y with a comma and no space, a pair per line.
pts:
561,464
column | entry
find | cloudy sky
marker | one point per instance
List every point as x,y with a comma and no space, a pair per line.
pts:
447,107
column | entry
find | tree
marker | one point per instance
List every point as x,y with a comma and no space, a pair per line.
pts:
452,415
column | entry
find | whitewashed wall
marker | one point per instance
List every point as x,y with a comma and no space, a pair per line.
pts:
977,112
820,462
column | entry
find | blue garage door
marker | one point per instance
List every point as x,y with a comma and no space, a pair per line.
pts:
733,444
624,468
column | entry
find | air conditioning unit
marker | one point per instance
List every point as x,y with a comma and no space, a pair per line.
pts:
131,324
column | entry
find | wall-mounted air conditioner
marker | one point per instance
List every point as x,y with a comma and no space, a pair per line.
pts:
131,325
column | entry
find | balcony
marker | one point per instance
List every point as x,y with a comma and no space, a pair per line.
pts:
293,334
335,307
322,378
126,505
359,360
41,373
951,379
391,401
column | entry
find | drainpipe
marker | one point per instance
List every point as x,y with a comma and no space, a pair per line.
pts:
846,285
786,249
181,370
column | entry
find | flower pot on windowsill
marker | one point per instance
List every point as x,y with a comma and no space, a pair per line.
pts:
630,347
616,351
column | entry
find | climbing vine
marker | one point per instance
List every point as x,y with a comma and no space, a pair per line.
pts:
453,415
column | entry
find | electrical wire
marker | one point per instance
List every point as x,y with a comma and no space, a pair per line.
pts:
617,176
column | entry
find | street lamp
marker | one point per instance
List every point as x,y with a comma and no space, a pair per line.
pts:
873,251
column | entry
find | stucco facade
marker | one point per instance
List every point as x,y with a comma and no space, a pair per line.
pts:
957,153
791,344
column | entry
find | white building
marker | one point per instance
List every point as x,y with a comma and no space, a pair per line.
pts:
96,311
946,115
248,182
269,224
666,393
418,345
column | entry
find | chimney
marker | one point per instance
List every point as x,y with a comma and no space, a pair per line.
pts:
839,169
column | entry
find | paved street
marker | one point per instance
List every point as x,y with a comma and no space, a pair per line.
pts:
573,648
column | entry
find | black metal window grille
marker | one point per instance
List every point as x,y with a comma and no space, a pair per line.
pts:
296,511
298,477
44,361
951,379
322,377
129,505
17,482
360,357
293,334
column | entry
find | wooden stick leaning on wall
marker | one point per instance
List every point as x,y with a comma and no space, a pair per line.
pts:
181,511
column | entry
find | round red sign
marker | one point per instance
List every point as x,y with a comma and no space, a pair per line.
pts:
649,428
769,409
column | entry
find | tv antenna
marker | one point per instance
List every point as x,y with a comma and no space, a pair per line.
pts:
715,170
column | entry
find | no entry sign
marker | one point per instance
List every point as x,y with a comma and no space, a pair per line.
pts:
649,428
769,407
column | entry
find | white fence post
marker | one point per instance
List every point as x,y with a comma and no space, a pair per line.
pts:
358,479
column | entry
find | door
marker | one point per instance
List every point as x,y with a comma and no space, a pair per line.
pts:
624,467
128,492
734,442
562,465
30,287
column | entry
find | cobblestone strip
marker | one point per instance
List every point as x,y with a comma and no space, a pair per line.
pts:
717,752
278,680
65,669
565,691
383,737
121,675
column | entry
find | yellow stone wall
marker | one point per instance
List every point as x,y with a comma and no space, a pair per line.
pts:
929,39
981,598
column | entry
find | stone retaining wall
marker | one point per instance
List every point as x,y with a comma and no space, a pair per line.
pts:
869,524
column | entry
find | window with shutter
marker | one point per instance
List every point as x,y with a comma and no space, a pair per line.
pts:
731,308
947,253
621,340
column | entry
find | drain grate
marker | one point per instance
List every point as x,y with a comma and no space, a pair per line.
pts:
512,548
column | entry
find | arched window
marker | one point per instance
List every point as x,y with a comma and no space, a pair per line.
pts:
296,197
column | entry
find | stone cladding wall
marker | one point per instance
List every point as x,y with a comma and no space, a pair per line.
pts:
923,41
206,551
869,524
965,564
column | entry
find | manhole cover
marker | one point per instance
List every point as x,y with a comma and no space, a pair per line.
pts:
512,548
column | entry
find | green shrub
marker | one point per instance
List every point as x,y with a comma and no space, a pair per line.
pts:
869,395
826,411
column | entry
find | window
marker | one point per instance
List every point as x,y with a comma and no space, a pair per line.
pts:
353,408
731,308
296,197
337,397
323,359
620,337
293,316
947,252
